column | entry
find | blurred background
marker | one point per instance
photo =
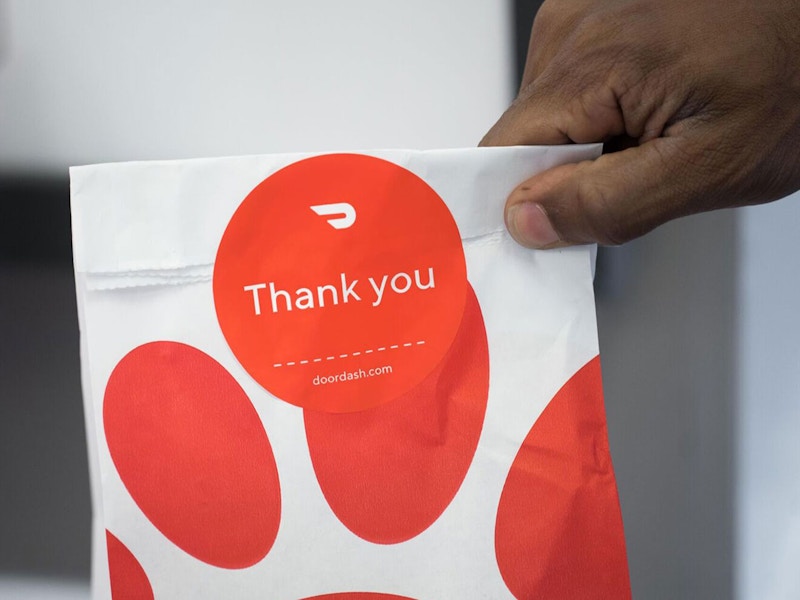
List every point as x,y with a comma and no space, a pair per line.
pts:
698,321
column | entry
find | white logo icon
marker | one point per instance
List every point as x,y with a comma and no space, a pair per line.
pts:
347,212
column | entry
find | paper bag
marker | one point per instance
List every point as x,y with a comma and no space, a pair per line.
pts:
336,376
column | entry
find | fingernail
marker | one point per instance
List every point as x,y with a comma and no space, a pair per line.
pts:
529,225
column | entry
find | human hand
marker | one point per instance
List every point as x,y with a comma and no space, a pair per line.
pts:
700,99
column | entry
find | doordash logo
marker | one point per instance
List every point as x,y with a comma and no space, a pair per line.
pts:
297,283
347,212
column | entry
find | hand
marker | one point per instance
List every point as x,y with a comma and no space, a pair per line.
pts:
699,98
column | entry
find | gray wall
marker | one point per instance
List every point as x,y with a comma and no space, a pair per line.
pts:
666,318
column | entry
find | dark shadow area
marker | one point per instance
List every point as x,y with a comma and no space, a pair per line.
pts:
44,491
35,220
524,13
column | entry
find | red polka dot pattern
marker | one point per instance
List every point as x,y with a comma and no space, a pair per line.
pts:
559,530
192,452
389,472
128,579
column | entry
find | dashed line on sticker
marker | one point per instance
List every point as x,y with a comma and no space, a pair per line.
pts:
306,361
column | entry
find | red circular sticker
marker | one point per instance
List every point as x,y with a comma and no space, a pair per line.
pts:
340,282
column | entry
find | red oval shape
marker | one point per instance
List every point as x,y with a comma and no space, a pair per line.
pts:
127,577
390,471
193,454
559,529
358,596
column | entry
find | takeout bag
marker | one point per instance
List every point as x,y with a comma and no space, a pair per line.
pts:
336,376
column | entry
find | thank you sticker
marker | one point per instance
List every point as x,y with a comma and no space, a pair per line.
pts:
340,282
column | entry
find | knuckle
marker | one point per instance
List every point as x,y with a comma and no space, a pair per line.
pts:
548,13
594,30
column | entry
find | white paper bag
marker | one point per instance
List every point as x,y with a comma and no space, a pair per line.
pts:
336,376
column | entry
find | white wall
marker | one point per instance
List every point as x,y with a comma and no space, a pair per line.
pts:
88,81
768,524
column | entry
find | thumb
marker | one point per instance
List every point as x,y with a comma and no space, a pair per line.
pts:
611,200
